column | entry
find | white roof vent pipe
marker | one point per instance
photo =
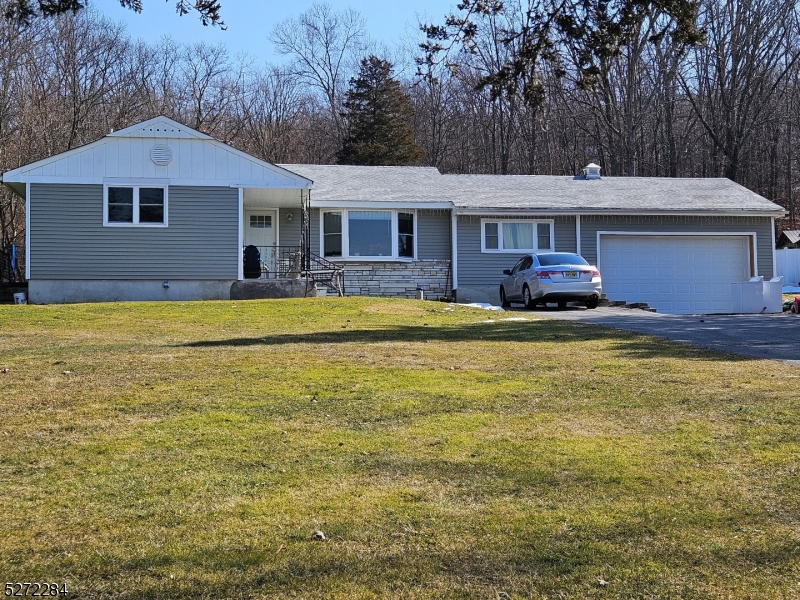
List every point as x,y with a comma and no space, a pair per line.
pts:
591,171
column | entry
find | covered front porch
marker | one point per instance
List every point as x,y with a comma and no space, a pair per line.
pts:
275,232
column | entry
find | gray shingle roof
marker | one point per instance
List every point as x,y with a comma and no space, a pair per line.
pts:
539,193
346,183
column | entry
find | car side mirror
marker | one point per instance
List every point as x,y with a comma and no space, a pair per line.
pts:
506,271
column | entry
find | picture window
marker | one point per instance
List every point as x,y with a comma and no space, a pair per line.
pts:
368,234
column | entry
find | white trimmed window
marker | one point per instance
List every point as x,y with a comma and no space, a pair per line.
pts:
368,234
142,205
516,236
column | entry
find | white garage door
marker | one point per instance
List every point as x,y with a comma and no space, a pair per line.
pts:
681,274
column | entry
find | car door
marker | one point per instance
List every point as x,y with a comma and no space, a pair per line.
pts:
520,273
509,281
530,274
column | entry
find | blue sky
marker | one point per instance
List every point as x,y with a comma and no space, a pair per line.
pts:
250,21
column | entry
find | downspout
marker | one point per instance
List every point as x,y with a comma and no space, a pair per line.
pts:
454,246
240,274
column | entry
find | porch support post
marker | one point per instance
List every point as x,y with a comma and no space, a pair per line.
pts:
241,234
305,230
28,231
454,244
577,234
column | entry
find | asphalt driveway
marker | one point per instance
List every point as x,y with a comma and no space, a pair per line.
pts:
775,337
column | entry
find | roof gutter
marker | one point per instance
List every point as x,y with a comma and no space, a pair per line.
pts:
377,204
615,211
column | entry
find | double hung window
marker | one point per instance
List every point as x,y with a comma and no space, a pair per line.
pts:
513,236
135,205
368,234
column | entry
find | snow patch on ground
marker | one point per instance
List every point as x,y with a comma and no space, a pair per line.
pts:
484,305
515,319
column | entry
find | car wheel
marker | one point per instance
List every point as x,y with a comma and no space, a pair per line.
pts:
526,298
562,304
592,302
503,300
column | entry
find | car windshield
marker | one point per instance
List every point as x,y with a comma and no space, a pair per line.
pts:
549,260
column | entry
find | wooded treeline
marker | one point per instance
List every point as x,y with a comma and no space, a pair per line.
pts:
728,107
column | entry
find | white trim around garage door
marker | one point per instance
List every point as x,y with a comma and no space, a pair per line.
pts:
751,234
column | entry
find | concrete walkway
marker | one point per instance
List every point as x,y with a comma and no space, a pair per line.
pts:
775,337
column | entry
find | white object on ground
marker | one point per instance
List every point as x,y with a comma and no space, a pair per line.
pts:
484,305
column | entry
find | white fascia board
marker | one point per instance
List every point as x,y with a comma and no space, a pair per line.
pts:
377,204
616,212
162,181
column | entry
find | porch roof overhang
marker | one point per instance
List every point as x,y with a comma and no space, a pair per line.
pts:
255,197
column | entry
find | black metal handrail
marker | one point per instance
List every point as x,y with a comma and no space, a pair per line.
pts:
280,262
325,272
286,262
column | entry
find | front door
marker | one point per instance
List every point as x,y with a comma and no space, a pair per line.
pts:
260,230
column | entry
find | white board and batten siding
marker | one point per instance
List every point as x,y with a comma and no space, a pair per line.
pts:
186,157
787,264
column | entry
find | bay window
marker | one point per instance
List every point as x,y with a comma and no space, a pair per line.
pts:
516,236
368,234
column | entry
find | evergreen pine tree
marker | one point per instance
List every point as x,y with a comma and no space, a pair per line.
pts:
379,116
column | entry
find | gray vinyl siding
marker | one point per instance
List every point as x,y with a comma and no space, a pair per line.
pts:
761,226
433,234
290,230
69,241
476,268
315,217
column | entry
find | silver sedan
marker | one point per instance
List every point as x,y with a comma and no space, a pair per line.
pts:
559,277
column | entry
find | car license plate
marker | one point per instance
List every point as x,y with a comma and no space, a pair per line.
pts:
570,274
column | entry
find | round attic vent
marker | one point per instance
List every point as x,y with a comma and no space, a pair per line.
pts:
161,154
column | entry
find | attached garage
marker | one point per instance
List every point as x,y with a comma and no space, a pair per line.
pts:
683,274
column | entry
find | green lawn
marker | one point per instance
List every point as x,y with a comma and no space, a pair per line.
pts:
177,450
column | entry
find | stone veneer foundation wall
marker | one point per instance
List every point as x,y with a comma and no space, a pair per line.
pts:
397,279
